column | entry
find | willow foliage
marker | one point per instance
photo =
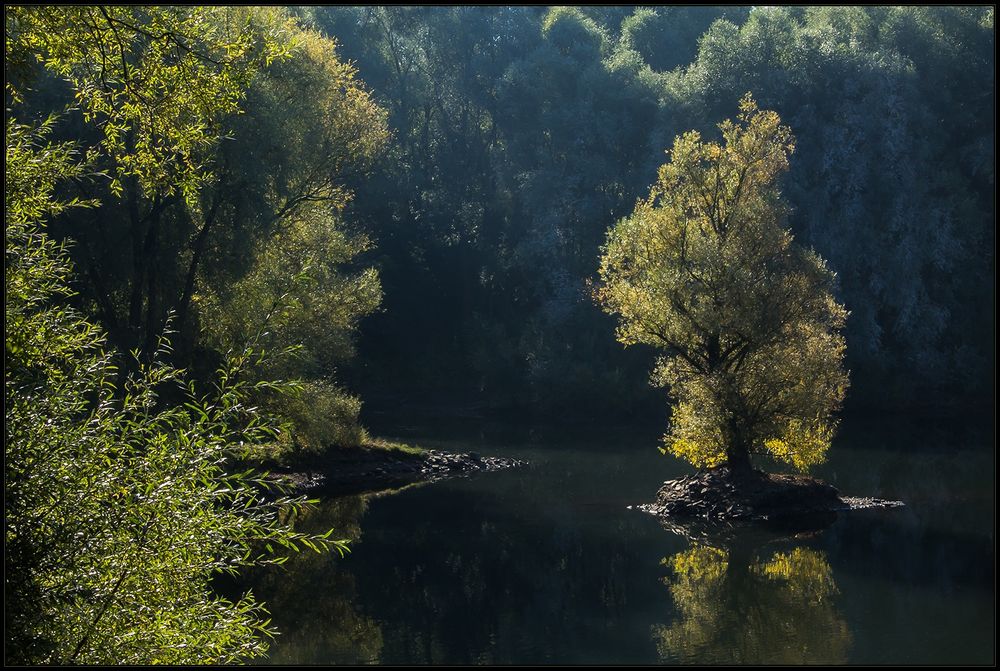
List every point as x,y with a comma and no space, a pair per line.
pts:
156,80
749,330
119,508
121,504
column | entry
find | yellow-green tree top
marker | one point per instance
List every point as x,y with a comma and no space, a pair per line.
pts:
705,271
157,81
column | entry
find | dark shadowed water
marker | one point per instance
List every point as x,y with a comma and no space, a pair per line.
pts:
546,564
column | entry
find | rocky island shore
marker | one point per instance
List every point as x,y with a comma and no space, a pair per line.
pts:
725,494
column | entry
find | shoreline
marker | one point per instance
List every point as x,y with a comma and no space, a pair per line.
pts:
344,472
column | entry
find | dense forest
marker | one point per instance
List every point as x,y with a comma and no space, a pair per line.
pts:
405,207
488,150
520,133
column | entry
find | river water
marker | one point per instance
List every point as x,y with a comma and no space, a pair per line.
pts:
547,564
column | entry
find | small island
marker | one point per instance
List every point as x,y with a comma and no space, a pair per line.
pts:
724,494
745,320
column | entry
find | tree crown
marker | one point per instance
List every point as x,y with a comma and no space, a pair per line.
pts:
705,271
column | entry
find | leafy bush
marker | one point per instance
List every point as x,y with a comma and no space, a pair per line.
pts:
119,509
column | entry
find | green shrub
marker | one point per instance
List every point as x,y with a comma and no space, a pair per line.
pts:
119,509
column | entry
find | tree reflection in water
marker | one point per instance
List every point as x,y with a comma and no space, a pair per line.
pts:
316,596
738,604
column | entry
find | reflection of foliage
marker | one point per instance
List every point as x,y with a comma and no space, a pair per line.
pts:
740,609
805,572
313,599
699,563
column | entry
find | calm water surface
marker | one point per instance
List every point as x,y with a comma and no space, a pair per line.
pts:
546,564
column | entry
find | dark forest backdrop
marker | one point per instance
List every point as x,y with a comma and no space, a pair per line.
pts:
496,148
521,133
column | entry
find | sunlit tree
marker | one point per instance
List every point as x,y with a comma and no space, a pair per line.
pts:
226,183
748,328
152,86
275,251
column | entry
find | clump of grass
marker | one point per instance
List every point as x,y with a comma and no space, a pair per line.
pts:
372,443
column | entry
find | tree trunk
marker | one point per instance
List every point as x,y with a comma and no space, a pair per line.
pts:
192,272
738,457
152,254
738,449
138,264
